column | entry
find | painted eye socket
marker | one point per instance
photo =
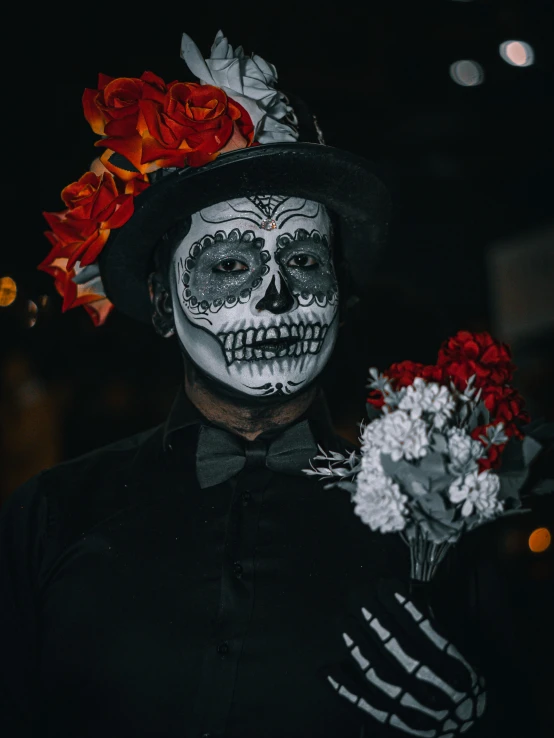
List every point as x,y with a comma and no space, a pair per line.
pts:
304,261
230,265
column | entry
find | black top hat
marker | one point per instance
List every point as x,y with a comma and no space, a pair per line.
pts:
299,165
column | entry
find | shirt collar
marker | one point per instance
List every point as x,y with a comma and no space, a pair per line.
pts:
184,414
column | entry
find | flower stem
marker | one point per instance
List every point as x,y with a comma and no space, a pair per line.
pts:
425,556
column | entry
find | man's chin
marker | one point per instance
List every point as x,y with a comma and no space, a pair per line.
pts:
250,385
281,376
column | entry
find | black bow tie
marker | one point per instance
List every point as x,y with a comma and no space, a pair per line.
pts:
220,454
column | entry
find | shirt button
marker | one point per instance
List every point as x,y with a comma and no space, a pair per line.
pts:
246,497
223,648
237,569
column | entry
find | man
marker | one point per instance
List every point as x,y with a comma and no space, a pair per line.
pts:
192,580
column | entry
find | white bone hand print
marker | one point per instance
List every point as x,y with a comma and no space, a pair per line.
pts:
405,676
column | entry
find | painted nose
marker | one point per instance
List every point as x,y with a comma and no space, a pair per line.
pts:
274,300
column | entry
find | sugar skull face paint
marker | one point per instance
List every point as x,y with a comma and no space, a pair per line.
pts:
257,291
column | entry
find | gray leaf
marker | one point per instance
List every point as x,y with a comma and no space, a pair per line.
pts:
511,484
531,448
440,444
432,465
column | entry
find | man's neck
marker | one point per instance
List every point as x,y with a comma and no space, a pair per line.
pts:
247,419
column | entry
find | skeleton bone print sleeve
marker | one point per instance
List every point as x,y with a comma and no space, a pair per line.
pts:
404,674
460,665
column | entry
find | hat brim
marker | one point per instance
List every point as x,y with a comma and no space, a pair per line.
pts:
345,183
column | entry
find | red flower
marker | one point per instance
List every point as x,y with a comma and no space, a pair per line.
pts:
95,303
114,111
402,374
376,399
94,208
493,457
505,405
468,353
193,124
114,108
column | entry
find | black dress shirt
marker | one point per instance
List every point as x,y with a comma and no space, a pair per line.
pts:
134,603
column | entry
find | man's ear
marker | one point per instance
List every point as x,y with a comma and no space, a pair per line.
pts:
160,298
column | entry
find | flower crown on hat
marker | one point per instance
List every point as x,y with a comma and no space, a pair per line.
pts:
147,125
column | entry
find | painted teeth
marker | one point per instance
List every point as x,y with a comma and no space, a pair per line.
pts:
239,346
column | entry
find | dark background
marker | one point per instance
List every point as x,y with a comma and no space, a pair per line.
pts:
470,170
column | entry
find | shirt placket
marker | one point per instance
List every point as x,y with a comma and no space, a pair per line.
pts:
237,591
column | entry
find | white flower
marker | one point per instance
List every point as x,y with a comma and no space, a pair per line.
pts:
397,434
371,459
430,397
463,449
379,502
479,492
249,80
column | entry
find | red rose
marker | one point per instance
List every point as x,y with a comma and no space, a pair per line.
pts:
96,304
193,124
94,208
113,109
114,112
468,353
505,405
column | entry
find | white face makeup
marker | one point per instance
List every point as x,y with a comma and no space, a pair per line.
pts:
255,281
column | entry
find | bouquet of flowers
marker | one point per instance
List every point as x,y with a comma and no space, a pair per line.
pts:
444,449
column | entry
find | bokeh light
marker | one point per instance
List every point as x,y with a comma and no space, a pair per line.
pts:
8,291
32,313
517,53
467,73
540,540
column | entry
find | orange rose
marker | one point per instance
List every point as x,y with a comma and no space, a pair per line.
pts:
95,302
113,109
94,208
194,124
